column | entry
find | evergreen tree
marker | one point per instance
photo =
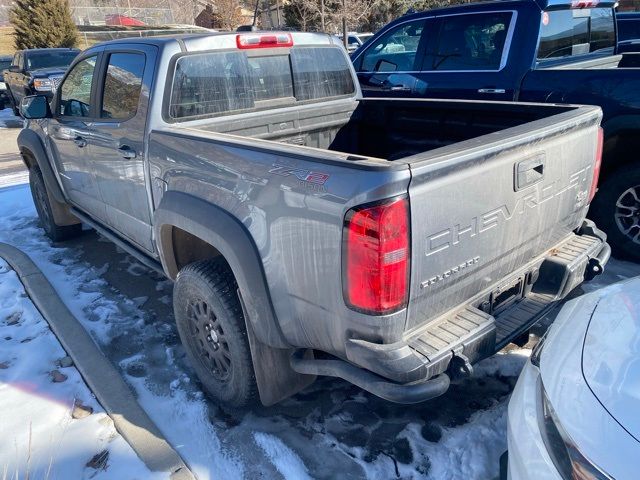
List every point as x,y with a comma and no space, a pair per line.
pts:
43,24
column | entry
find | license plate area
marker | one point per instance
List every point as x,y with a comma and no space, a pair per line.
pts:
506,295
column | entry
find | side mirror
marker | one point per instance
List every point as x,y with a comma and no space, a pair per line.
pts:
14,69
34,107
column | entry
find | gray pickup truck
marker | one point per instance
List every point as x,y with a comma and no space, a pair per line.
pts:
309,231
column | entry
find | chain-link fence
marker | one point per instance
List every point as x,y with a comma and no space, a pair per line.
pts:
91,38
101,15
5,7
150,12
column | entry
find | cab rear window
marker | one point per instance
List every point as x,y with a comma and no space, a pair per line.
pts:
218,83
579,31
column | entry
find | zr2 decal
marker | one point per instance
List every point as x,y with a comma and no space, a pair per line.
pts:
317,178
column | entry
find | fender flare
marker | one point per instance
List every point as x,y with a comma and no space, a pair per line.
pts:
224,232
29,143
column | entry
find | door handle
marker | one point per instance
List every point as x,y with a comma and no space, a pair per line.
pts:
127,152
491,90
80,142
398,88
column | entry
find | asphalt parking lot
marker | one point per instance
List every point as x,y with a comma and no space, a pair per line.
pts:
11,166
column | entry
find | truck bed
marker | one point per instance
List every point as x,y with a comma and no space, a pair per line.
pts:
383,129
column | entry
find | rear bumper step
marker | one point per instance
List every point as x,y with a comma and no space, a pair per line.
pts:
401,371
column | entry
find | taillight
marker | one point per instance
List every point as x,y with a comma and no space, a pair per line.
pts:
584,3
596,166
268,40
375,264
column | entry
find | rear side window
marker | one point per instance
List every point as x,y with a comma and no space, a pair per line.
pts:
573,32
603,33
471,42
628,28
122,85
217,83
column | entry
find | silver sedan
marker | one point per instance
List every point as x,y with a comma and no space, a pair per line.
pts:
575,411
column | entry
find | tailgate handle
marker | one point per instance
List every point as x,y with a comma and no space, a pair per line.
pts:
528,172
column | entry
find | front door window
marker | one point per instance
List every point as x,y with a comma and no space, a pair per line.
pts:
75,92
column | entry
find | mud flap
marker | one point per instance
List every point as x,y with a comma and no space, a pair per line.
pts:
275,378
62,216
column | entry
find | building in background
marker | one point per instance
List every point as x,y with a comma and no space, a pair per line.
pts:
629,6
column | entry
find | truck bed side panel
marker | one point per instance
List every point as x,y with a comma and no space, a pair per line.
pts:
295,224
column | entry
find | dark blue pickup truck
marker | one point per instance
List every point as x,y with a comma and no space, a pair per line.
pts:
551,51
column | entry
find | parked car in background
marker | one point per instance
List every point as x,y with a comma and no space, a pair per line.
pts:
296,217
355,40
574,411
5,62
628,24
36,71
551,51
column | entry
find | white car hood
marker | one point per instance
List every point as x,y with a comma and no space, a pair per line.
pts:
611,354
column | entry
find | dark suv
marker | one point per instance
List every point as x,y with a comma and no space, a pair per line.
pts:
36,71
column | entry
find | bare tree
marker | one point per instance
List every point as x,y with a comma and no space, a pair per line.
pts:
228,14
355,12
302,14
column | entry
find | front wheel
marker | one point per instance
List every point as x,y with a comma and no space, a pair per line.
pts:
212,329
42,202
616,210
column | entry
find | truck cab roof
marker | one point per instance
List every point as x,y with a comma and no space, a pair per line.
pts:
217,40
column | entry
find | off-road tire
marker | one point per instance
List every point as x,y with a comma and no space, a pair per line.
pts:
609,213
45,212
205,301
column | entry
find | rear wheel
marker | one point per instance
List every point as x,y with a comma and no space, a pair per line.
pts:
212,329
616,209
45,212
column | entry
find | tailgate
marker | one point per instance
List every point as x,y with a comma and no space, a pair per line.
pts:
483,208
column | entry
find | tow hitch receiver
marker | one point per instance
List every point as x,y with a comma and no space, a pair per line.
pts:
459,367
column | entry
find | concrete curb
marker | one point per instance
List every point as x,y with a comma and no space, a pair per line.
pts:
130,420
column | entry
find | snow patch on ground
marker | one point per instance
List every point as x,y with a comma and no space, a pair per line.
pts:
121,328
285,459
38,436
9,120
